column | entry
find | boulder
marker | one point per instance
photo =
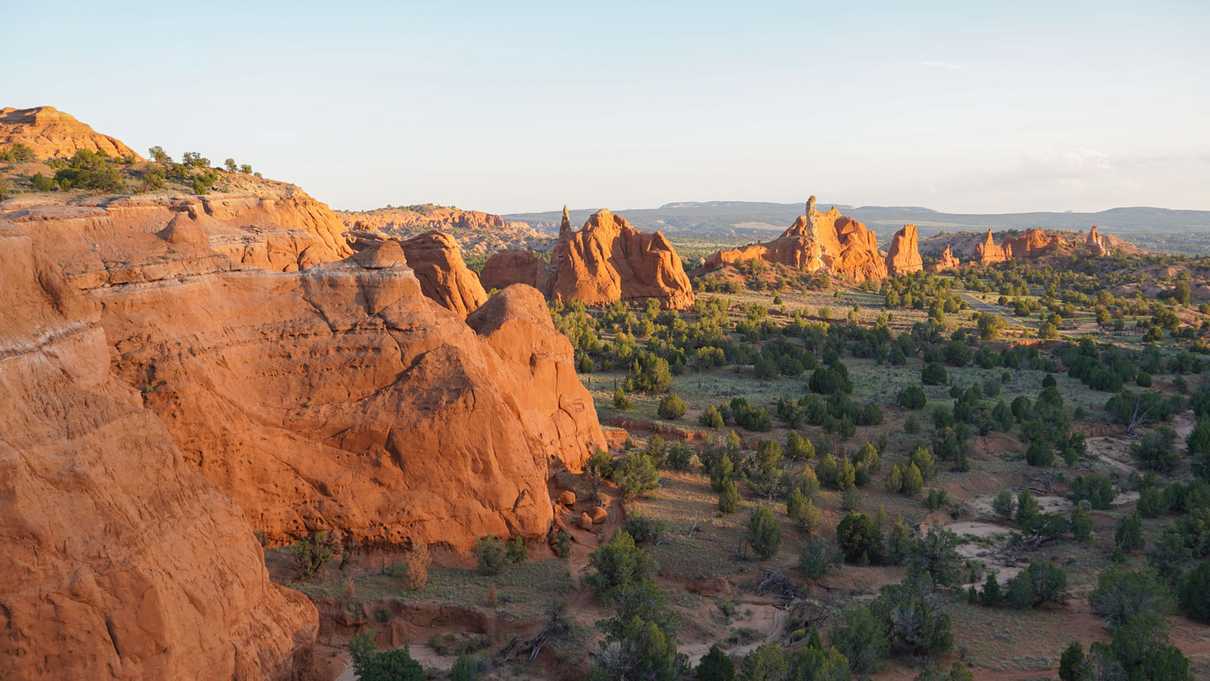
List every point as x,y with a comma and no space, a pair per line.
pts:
903,255
599,515
608,260
585,521
567,498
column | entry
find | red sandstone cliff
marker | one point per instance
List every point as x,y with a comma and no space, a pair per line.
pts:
50,133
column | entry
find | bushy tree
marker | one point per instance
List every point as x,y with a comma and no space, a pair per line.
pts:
636,475
862,639
764,533
715,666
859,539
1122,593
618,566
671,407
1195,593
491,555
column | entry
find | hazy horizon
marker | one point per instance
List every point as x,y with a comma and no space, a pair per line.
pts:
512,109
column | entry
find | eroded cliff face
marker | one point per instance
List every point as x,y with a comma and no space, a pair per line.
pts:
477,232
120,560
608,259
988,252
207,367
817,241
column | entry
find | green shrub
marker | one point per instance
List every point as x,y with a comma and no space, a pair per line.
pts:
389,665
862,639
617,567
1195,593
645,530
728,497
933,374
516,552
491,555
715,666
636,475
858,539
818,557
672,407
1122,594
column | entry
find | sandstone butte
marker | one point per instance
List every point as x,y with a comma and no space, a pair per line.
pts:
188,370
605,261
946,261
903,254
50,133
816,242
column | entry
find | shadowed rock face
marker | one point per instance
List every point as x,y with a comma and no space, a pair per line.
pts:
608,260
903,255
120,560
514,267
827,242
50,133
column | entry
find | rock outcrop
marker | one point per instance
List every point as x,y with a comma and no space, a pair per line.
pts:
50,133
336,396
903,255
608,260
1034,243
989,252
444,277
1096,244
479,234
946,261
120,561
828,242
514,267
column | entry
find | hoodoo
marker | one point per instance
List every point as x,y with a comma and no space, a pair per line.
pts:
903,255
946,261
988,251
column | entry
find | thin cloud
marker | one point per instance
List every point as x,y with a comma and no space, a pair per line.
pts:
943,65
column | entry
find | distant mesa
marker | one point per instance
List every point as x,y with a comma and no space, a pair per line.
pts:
50,133
816,242
605,261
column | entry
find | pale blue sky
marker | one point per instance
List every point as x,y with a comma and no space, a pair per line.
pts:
1037,105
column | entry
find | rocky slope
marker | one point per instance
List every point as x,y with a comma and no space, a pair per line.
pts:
50,133
479,234
120,561
817,241
608,260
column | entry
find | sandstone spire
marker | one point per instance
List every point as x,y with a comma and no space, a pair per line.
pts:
565,225
947,261
903,255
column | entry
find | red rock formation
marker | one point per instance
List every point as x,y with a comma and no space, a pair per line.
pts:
478,233
828,241
514,267
947,261
988,252
1035,243
50,133
120,561
437,262
903,255
1096,244
609,260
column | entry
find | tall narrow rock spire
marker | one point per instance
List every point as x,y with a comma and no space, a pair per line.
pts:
565,225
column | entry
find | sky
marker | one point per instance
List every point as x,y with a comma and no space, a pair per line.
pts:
516,106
